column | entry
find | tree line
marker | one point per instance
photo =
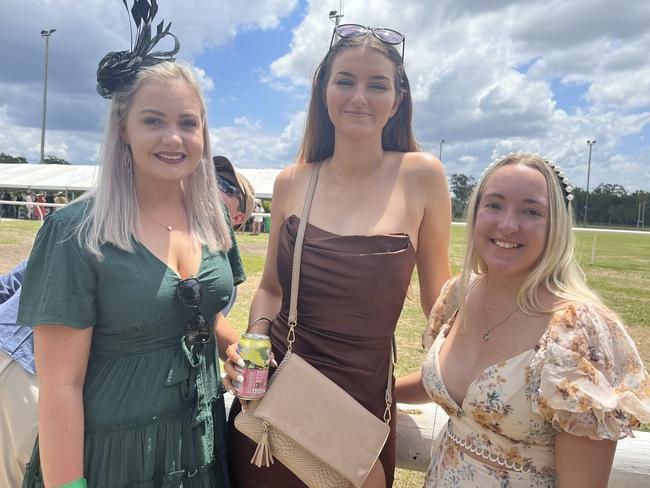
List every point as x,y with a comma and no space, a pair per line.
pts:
609,204
49,159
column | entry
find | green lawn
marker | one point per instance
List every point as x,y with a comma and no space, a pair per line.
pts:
620,273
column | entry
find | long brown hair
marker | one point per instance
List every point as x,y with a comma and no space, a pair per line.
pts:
397,135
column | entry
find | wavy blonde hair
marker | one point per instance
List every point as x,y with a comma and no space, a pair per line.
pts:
114,213
557,269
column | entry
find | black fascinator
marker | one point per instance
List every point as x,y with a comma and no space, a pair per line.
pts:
117,69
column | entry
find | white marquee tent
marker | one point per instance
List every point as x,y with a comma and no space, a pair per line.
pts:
61,177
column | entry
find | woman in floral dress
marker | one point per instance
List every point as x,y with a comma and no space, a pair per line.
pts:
539,378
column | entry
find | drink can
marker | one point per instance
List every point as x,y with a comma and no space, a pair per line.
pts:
255,350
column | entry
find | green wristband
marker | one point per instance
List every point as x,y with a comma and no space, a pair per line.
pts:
80,483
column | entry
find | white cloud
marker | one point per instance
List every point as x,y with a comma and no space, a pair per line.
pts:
463,60
86,31
248,144
205,82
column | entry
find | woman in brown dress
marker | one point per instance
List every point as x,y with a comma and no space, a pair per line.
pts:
379,208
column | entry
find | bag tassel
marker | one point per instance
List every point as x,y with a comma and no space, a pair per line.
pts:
262,456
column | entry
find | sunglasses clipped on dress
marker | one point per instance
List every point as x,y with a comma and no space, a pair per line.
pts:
385,35
190,294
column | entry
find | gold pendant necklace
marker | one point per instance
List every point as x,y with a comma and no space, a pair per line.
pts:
168,227
487,334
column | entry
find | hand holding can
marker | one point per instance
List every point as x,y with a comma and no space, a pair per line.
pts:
255,351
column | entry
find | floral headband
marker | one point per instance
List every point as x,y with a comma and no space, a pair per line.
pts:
118,69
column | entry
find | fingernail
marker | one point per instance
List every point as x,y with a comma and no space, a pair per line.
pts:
240,378
274,363
241,363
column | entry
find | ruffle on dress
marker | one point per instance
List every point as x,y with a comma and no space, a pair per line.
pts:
589,378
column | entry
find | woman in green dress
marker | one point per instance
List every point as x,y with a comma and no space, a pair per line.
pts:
121,286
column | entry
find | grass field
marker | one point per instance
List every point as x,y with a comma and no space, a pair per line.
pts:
620,273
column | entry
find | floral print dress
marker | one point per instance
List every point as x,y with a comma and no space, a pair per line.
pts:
583,377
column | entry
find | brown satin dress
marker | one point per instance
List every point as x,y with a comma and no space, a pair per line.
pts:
352,290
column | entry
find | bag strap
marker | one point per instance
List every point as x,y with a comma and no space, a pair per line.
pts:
297,256
295,281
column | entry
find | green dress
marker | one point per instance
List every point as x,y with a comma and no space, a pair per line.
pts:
153,409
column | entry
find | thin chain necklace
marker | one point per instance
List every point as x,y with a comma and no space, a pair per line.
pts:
487,334
168,227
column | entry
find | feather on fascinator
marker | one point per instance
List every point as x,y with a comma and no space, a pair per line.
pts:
117,69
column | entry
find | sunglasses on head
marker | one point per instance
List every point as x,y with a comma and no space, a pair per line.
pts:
190,294
385,35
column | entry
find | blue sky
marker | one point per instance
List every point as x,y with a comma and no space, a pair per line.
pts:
489,77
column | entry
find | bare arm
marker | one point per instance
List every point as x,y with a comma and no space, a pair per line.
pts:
435,227
582,462
225,335
61,360
268,297
410,389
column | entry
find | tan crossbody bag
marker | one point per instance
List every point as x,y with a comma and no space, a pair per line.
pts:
306,421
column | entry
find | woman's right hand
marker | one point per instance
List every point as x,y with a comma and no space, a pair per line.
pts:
234,369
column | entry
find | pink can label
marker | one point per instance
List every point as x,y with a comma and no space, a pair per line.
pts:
254,385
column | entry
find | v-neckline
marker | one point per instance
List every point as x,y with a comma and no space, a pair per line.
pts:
168,268
438,346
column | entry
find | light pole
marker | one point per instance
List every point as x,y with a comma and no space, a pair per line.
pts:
591,143
46,34
442,141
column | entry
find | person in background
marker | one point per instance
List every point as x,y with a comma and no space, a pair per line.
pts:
239,196
18,384
236,192
49,198
60,199
8,210
40,210
380,207
539,378
258,219
30,208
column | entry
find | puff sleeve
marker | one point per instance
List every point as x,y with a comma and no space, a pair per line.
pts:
446,304
588,375
60,280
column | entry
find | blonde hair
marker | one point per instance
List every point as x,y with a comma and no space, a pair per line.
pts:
557,270
114,213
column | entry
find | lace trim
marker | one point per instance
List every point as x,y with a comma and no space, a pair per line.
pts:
485,454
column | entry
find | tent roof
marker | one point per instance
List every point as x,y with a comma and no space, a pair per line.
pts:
60,177
47,176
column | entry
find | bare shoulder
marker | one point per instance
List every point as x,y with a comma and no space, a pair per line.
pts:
422,165
293,174
423,170
290,186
